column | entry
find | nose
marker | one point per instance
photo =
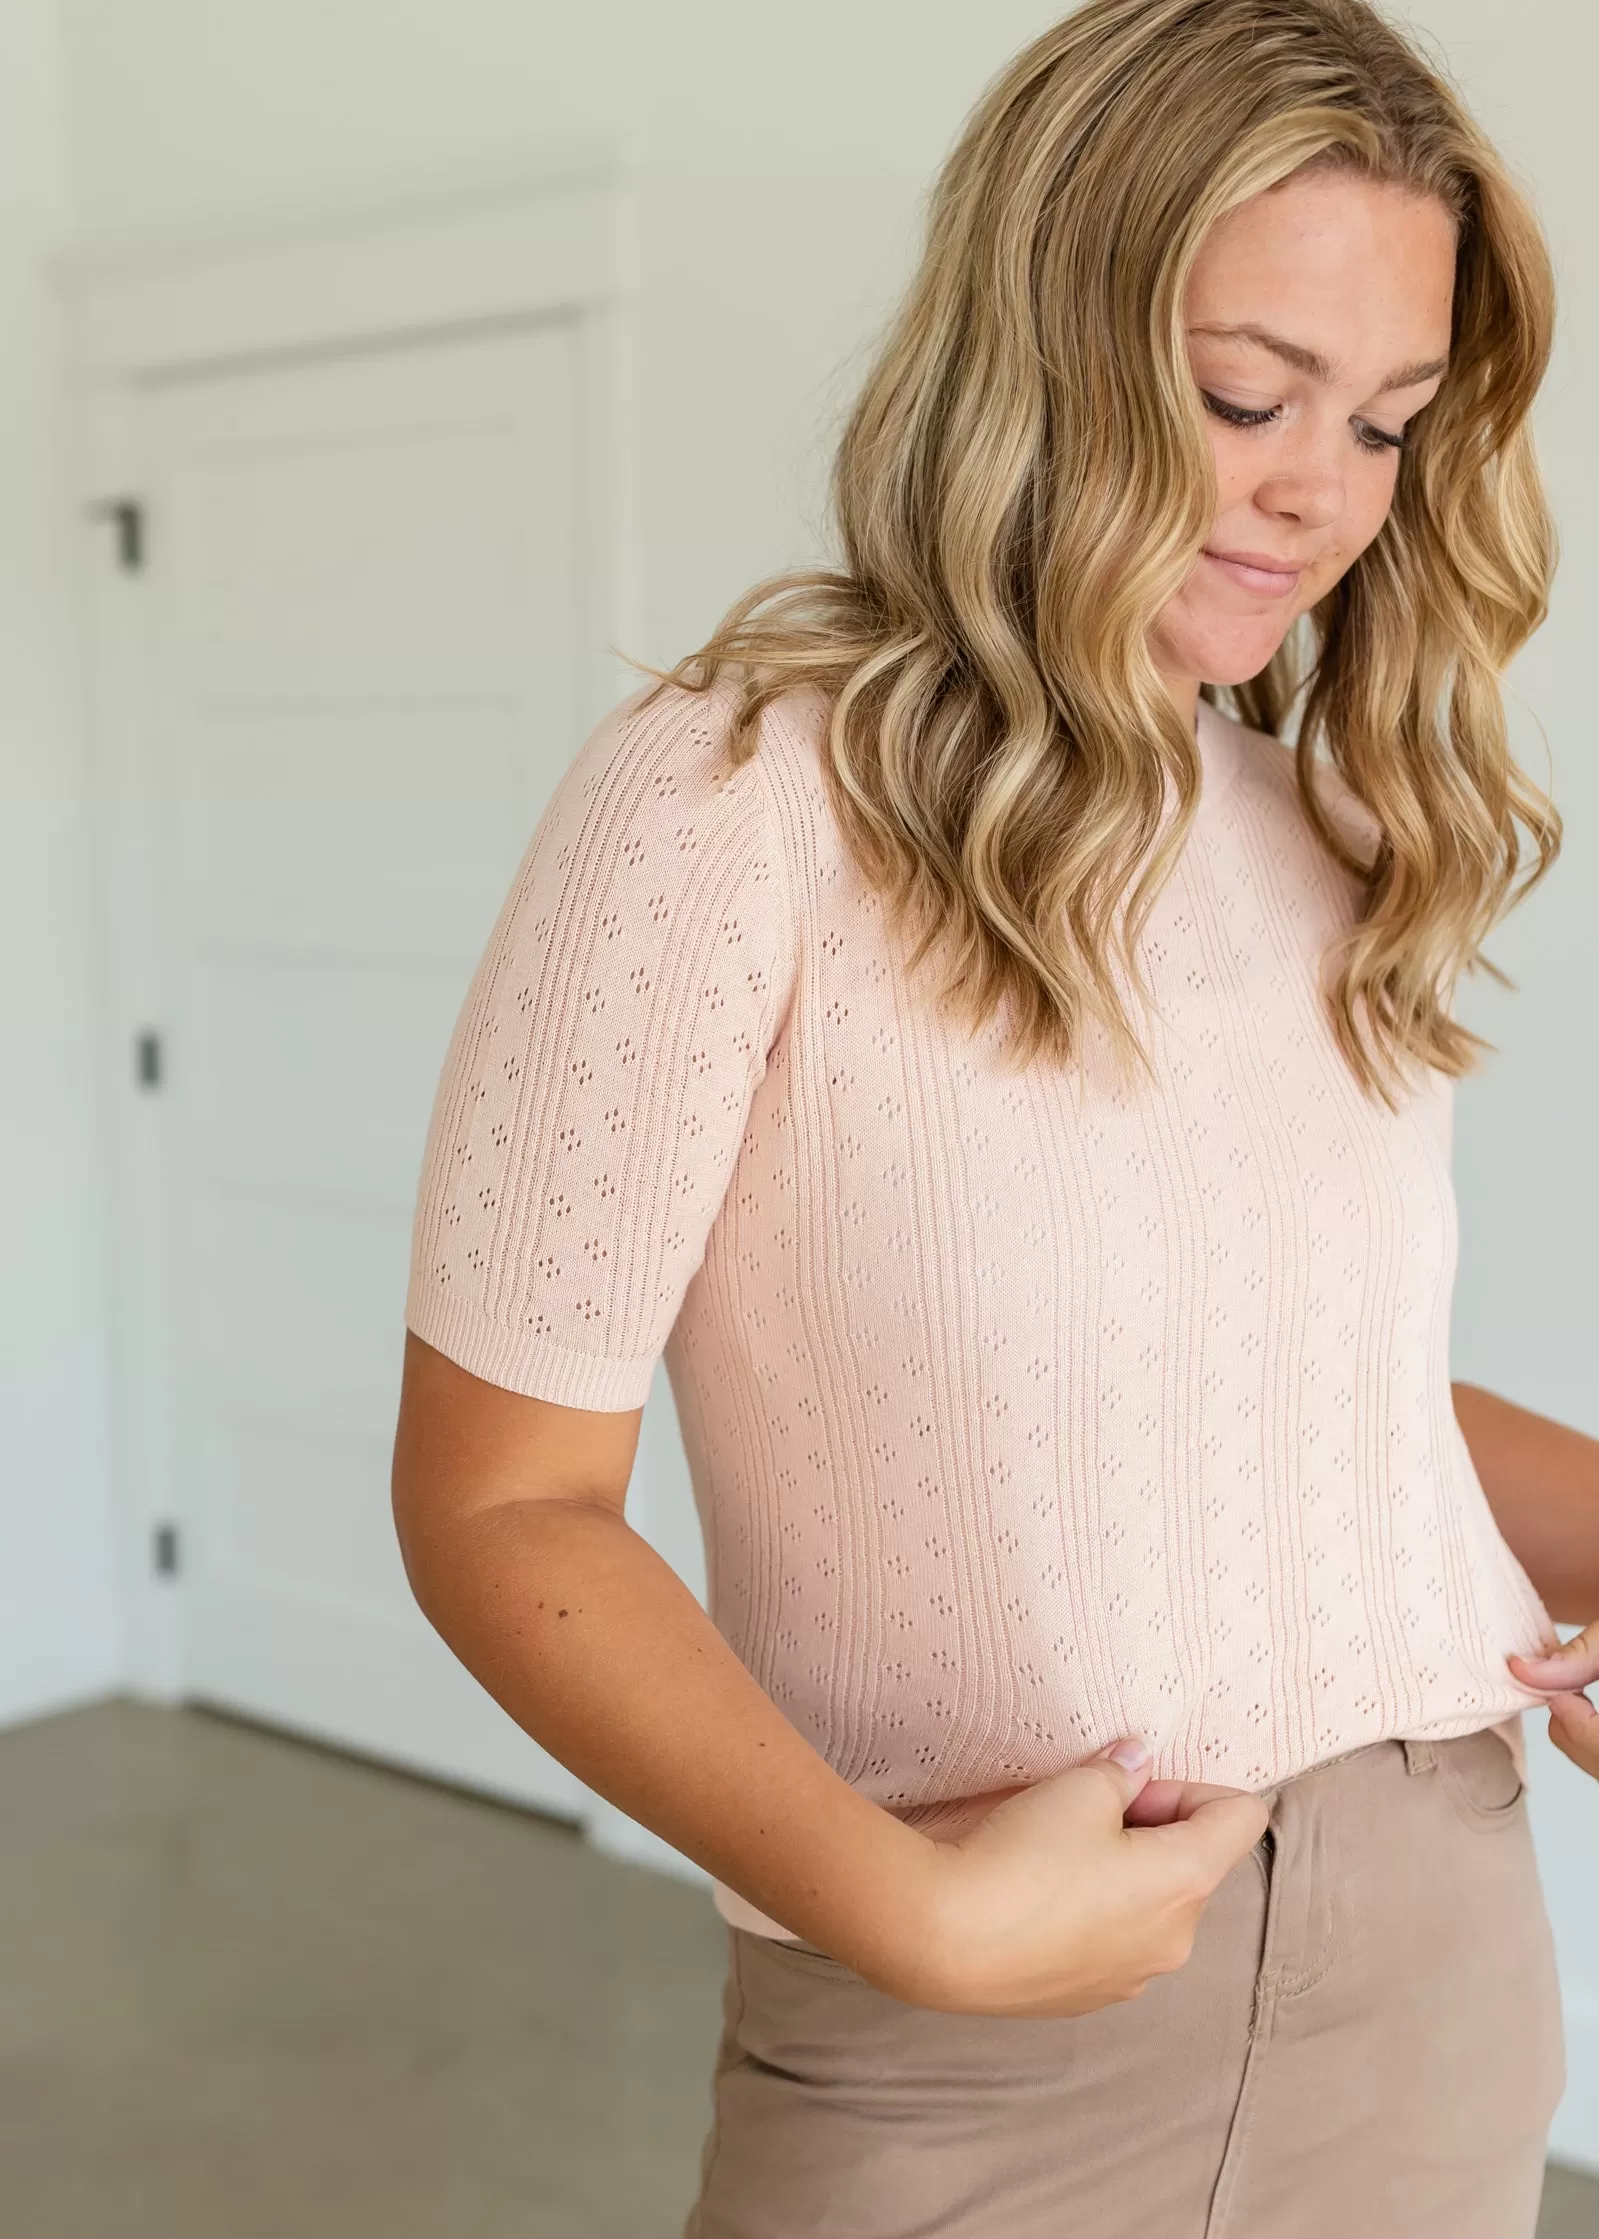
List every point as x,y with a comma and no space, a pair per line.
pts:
1306,487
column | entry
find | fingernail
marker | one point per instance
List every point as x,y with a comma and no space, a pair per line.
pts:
1129,1753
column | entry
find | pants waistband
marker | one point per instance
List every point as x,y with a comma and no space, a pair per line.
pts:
1421,1755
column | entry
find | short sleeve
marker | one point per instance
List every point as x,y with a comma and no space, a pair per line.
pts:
597,1085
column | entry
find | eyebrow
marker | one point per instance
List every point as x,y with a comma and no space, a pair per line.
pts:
1312,362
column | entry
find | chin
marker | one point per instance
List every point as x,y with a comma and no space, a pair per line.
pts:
1238,669
1229,651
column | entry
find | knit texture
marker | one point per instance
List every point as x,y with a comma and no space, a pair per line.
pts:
1023,1409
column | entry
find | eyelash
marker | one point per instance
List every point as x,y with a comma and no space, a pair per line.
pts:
1374,440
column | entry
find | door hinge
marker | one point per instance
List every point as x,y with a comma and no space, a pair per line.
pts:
147,1058
164,1551
126,516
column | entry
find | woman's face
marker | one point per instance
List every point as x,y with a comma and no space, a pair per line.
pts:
1318,323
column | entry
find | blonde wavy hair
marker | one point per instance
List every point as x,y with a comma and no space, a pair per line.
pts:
1026,480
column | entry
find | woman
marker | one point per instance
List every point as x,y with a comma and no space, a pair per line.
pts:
1011,1088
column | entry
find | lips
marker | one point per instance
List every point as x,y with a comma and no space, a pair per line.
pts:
1257,571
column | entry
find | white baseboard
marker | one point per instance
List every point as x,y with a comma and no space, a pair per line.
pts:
27,1710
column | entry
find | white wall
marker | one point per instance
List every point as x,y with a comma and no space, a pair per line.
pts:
58,1628
1527,1316
778,190
782,153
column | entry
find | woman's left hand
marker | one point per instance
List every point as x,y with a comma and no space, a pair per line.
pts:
1562,1675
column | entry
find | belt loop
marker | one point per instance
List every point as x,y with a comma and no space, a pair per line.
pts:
1420,1756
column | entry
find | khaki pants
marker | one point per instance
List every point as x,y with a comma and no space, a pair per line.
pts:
1364,2044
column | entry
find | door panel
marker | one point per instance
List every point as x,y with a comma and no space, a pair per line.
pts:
364,649
368,1036
412,807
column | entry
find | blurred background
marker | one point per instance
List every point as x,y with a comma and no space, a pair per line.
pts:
369,375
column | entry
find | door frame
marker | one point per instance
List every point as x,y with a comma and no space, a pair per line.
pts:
147,314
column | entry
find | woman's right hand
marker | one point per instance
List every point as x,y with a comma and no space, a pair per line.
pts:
1053,1905
509,1514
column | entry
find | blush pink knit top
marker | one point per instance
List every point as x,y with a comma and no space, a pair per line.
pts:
1023,1409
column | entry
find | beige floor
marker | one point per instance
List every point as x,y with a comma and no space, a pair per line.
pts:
252,1990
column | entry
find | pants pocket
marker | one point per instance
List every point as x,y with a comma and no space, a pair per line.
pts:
1480,1777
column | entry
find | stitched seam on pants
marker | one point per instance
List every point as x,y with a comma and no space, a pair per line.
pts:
1261,2016
1238,2130
1320,1874
695,2226
1484,1815
1290,1985
1290,1982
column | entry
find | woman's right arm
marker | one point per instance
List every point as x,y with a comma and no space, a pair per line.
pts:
510,1518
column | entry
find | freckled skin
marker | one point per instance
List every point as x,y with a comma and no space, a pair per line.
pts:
1363,275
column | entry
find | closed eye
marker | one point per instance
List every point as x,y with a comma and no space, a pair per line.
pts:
1240,415
1370,439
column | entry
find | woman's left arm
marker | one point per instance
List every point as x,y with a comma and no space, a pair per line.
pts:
1542,1483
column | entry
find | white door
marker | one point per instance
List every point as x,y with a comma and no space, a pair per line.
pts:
365,662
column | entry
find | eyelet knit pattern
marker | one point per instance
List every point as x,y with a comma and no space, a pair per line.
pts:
1023,1410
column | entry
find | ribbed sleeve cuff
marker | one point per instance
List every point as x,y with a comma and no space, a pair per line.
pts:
519,1361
